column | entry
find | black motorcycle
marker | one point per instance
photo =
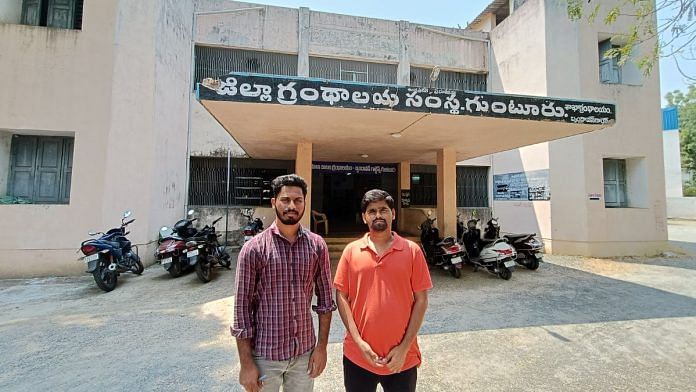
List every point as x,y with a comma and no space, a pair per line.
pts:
110,255
445,253
529,249
203,252
253,225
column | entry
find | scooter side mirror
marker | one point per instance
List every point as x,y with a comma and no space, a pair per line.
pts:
430,212
190,212
127,214
164,228
92,233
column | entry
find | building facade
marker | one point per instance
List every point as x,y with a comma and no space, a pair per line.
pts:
105,112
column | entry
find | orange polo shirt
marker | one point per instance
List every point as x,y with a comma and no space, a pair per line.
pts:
380,290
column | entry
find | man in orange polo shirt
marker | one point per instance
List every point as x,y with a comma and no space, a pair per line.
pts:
382,284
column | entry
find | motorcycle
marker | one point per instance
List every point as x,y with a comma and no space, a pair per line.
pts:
529,249
110,255
203,252
445,253
495,255
253,226
171,250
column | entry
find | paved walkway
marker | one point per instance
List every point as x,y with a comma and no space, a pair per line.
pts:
576,324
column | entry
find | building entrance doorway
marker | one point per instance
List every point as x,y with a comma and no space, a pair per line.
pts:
337,193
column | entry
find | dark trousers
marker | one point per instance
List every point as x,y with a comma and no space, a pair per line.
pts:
357,379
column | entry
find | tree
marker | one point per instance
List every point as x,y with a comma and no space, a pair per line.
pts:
675,30
686,107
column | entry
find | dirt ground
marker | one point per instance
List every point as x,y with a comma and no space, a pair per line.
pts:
575,324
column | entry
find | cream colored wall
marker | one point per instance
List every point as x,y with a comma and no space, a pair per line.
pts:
563,62
635,137
10,11
335,35
208,137
518,67
50,87
119,86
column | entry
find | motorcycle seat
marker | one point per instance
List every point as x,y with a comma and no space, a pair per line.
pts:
517,237
448,241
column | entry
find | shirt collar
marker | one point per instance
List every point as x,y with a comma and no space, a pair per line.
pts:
398,243
302,232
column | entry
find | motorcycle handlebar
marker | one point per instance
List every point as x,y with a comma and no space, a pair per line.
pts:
216,221
128,223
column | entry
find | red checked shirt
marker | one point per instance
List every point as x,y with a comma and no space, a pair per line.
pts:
273,292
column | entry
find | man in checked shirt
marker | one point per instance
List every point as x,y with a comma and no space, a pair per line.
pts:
277,273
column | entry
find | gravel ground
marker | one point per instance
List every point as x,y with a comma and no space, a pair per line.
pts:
575,324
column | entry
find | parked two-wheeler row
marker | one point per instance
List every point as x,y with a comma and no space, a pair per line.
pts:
183,248
179,249
489,251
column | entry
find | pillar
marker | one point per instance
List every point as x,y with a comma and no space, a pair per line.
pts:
303,168
303,43
447,192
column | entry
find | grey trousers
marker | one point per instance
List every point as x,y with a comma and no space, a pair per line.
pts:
291,374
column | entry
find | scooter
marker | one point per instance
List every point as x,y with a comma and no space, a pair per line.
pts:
253,226
171,251
529,249
110,255
496,256
445,253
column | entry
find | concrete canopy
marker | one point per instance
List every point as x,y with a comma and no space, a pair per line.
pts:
268,130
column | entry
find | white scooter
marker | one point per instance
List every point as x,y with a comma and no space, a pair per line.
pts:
495,255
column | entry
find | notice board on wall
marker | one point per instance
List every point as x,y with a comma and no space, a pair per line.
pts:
529,185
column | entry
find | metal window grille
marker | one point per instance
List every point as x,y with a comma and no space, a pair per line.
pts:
41,169
615,183
354,71
472,186
212,62
420,77
250,181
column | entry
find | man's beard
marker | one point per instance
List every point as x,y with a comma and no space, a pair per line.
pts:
379,225
289,219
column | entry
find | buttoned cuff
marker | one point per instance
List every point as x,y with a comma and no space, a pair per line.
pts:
325,308
242,333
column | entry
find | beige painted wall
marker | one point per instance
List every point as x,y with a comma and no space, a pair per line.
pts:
120,89
563,62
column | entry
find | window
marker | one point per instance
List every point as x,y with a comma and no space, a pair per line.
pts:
472,186
212,62
250,181
353,71
64,14
40,169
420,77
423,185
615,183
609,69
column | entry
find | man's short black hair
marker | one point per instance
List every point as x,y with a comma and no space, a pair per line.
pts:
373,196
288,180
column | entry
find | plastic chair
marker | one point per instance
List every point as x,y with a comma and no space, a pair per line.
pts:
320,218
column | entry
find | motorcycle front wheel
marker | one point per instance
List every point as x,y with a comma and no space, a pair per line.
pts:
175,269
504,273
532,262
138,268
203,268
105,279
456,272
